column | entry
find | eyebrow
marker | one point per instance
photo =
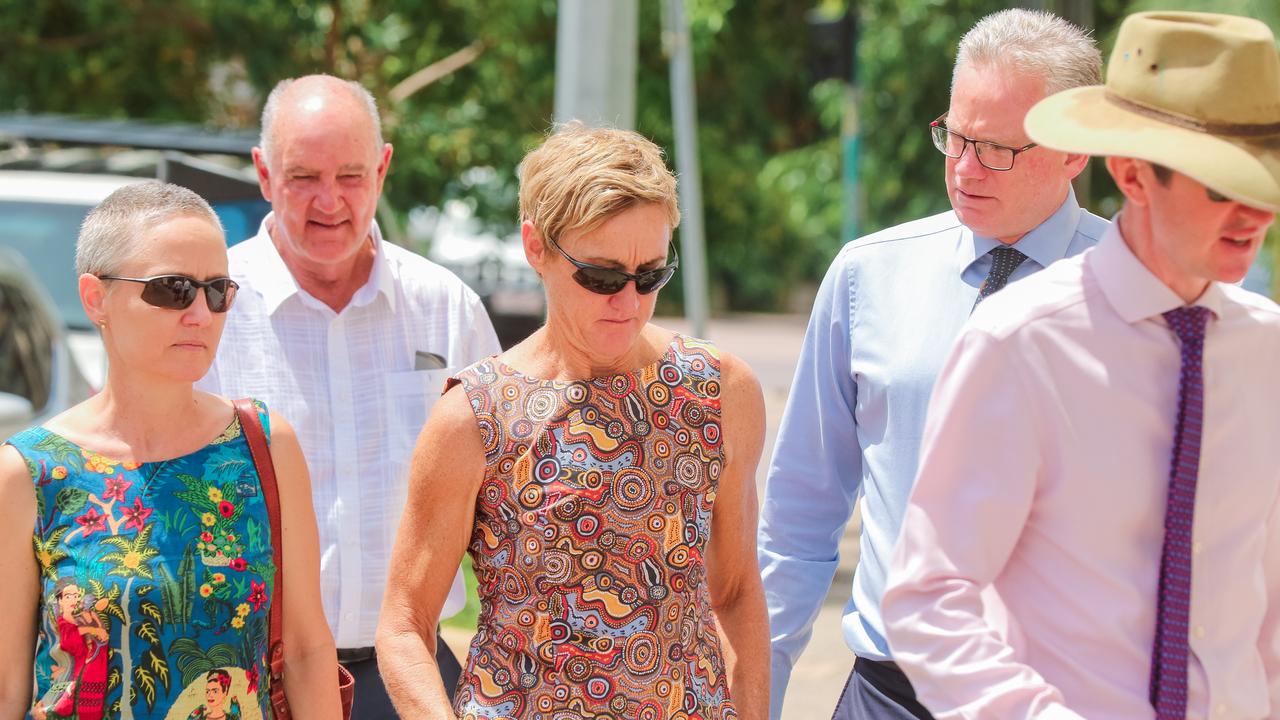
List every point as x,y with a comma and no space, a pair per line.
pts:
609,263
302,169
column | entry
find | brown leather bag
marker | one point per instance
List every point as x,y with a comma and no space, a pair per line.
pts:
251,426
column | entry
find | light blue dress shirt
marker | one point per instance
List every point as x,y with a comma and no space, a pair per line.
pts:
883,323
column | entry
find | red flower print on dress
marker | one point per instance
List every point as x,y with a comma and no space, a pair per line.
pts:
206,537
116,487
136,516
252,676
257,594
226,509
92,521
239,564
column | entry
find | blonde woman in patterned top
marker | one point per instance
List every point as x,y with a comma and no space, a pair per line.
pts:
601,476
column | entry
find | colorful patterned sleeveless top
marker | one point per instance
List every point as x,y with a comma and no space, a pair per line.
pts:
156,580
590,529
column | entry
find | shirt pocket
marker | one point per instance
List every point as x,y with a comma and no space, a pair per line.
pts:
410,397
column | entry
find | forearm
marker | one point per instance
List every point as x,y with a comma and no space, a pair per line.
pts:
407,662
311,681
15,701
744,627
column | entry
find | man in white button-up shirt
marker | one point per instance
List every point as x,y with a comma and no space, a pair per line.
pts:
350,338
1095,528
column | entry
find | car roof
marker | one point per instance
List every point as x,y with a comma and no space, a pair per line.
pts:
59,187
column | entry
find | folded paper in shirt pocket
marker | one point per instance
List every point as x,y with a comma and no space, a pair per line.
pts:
423,360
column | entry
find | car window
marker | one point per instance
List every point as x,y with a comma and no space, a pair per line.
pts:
26,347
44,234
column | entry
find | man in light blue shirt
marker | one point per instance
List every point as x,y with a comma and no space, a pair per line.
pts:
884,320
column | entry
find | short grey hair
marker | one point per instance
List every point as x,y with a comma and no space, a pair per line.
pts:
1033,42
113,230
266,138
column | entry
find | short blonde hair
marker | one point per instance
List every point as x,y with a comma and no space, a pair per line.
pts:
579,177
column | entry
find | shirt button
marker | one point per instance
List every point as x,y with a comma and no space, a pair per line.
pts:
1196,547
1199,631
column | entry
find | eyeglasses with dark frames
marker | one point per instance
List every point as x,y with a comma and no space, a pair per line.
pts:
993,156
177,292
608,281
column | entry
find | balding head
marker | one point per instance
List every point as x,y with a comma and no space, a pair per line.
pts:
315,98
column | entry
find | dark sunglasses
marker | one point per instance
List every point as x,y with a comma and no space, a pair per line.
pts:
177,292
607,281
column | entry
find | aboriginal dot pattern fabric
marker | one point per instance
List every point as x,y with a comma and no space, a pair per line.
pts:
591,525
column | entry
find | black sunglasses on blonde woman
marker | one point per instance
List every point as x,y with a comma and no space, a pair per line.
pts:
608,281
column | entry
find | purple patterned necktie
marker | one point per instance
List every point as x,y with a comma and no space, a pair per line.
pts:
1169,658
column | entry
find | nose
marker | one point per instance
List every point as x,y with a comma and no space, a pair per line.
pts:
627,299
1256,217
967,164
326,199
198,313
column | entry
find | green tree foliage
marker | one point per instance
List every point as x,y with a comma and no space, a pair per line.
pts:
769,134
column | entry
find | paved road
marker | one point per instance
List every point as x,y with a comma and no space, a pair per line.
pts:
770,344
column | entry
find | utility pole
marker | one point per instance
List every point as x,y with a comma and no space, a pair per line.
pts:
684,110
596,62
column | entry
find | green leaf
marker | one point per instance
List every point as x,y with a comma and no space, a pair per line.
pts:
159,666
146,630
143,680
71,500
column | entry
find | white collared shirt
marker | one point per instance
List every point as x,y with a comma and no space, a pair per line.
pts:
1025,580
346,382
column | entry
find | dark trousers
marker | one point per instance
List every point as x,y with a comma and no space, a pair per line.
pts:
878,691
371,701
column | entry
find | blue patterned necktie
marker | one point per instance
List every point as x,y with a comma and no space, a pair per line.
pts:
1004,260
1169,657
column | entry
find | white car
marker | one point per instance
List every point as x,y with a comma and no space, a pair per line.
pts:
40,216
38,378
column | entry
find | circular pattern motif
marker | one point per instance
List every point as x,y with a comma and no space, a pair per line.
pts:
632,489
594,512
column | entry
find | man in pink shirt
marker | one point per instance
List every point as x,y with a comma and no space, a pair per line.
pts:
1095,528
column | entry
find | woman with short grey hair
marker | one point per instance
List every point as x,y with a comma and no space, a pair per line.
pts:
134,527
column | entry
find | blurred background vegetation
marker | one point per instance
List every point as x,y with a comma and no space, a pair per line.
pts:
771,150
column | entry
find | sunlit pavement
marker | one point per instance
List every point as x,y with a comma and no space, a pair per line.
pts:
770,344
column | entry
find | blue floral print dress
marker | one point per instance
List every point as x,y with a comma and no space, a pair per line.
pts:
156,582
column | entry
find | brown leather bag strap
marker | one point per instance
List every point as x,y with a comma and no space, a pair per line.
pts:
256,437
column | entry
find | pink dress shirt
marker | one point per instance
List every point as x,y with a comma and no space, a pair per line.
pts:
1024,581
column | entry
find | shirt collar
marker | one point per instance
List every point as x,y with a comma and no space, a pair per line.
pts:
271,277
1046,244
1134,292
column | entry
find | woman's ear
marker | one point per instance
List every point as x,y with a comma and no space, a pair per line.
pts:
93,295
535,248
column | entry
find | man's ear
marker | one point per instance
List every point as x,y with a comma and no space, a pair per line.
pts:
535,248
264,175
384,165
93,294
1133,178
1075,164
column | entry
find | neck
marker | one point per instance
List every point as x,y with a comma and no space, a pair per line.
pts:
562,355
1137,232
333,284
142,419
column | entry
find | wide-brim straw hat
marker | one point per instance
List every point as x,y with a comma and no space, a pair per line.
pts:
1195,92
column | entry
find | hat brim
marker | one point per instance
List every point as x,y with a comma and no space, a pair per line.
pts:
1082,120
